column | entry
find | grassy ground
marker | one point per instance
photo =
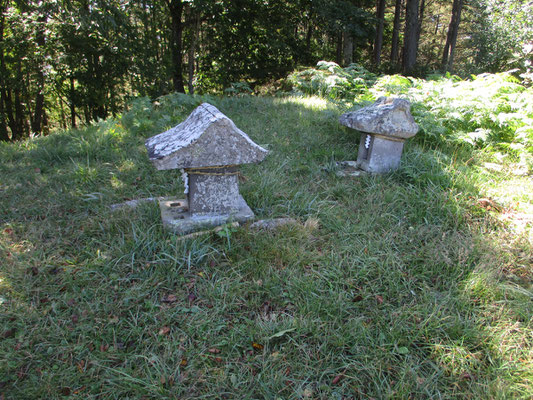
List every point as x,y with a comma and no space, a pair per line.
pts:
406,285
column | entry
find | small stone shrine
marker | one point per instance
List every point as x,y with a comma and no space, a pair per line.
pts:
208,148
385,125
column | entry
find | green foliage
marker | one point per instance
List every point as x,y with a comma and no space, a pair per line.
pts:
331,81
502,36
488,110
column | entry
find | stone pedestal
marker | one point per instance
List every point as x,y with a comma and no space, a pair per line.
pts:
177,218
379,154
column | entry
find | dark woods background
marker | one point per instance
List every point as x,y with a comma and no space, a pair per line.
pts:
66,63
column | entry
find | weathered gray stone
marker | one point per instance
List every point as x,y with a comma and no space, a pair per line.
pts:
382,155
207,138
177,218
387,116
275,223
208,147
133,203
384,125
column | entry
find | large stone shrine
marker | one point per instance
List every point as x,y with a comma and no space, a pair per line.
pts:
384,127
208,148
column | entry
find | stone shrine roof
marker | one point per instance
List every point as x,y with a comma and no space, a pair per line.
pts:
207,138
387,116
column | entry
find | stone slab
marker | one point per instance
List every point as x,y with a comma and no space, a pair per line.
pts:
177,218
274,223
387,116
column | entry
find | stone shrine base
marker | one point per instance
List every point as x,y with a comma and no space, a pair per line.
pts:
177,218
349,168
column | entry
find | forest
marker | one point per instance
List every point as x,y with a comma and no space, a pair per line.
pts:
67,63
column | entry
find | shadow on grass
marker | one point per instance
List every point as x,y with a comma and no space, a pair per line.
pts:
406,289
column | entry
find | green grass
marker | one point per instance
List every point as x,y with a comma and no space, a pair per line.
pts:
408,287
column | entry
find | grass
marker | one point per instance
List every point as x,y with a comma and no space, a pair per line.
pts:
403,286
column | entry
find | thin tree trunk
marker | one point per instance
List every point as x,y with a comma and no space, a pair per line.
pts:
195,16
409,40
395,47
39,98
308,38
451,38
420,21
339,48
176,11
378,42
4,135
347,50
72,104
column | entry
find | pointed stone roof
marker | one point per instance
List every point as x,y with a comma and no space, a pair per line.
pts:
207,138
387,116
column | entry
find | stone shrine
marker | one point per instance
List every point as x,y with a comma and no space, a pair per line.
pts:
208,148
385,125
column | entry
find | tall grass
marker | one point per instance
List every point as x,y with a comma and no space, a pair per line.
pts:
405,285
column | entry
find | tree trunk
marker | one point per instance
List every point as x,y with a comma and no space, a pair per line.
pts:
39,98
395,47
378,42
451,38
409,40
308,37
420,21
347,50
72,104
195,17
4,136
176,11
338,59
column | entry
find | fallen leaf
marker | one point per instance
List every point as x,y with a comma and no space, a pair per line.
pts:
379,299
9,333
78,391
281,333
80,366
219,360
403,350
164,330
21,373
337,379
171,298
257,346
357,298
65,391
183,362
213,350
8,231
465,375
104,347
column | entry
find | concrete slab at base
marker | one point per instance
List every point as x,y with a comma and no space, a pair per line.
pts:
177,218
349,168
